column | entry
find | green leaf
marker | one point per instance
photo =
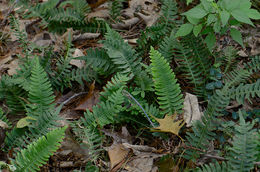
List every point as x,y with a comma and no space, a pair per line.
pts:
230,5
253,14
224,16
197,29
236,35
210,40
193,20
184,30
211,18
245,4
217,26
196,12
242,17
207,5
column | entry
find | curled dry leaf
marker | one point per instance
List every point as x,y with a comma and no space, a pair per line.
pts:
191,109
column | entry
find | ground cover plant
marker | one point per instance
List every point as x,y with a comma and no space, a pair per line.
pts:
130,85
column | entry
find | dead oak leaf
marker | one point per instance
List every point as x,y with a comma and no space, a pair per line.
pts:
167,124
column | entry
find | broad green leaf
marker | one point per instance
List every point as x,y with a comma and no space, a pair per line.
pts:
24,122
210,40
207,5
242,17
192,20
230,5
245,4
196,12
253,14
211,19
236,35
224,16
207,30
197,29
217,26
184,30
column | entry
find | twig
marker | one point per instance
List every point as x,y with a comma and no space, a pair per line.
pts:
72,97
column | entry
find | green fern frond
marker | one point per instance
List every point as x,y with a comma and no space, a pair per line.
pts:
243,153
83,74
37,153
254,65
99,60
194,60
118,81
166,87
214,167
167,46
115,9
42,124
236,77
245,91
199,141
40,92
122,55
218,102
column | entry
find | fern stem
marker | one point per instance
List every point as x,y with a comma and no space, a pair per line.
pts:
130,96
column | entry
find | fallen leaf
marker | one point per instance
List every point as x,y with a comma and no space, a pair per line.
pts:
90,100
191,109
13,66
167,124
24,122
117,153
79,63
3,124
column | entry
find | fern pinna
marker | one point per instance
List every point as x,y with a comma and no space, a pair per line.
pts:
37,153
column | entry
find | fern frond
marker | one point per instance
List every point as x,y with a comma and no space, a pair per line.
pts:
198,141
166,87
236,77
118,81
243,153
37,153
115,9
167,46
245,91
83,74
214,167
122,55
99,60
4,118
42,124
254,65
40,92
218,102
194,60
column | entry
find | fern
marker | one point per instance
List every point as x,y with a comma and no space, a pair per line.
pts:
197,142
193,58
152,36
99,60
245,91
236,77
83,74
115,9
121,54
254,65
4,118
167,46
37,153
243,152
166,87
214,167
40,92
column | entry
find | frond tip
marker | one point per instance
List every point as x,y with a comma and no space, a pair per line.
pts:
38,152
166,86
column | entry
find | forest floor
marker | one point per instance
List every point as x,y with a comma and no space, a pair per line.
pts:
126,146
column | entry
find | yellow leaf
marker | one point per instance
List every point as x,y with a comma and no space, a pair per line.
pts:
24,122
167,124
